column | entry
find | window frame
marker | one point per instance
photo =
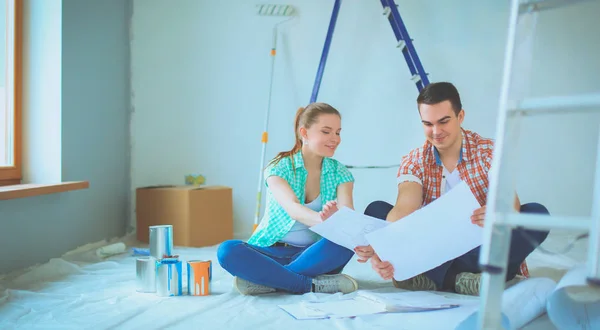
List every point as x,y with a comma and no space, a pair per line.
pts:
10,175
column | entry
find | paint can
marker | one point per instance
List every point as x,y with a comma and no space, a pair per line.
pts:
168,277
145,274
161,241
199,277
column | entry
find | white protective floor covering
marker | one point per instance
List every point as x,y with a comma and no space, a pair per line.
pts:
82,291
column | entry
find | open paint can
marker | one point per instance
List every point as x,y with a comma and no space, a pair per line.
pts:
198,277
145,274
168,277
161,241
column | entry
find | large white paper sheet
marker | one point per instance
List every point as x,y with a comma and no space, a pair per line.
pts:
430,236
348,228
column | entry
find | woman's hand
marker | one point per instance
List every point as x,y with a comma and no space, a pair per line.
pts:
328,210
364,253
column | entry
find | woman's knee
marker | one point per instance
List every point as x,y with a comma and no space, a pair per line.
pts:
228,251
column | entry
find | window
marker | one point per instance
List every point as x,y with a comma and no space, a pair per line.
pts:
10,91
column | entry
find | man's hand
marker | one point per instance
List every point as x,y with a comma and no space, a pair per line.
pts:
364,253
328,210
383,268
478,216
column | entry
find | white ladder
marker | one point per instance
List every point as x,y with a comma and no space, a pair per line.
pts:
501,217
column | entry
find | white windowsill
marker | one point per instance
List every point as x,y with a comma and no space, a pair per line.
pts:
32,189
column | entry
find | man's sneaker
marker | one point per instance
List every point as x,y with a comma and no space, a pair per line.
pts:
249,288
334,283
468,284
417,283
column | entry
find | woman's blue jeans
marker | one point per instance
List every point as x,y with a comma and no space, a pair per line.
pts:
286,268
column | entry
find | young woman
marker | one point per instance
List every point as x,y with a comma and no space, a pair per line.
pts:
305,186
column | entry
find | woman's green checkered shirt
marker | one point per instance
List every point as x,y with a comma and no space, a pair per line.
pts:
276,222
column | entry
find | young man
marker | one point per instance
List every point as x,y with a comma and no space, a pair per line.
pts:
450,154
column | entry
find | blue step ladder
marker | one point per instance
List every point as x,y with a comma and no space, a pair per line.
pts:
418,74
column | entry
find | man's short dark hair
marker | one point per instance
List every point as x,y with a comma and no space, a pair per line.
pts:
435,93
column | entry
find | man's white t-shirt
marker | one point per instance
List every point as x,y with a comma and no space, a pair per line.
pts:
451,178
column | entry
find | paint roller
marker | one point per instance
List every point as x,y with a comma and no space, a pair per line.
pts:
273,10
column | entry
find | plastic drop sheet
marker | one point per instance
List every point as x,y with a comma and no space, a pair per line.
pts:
83,291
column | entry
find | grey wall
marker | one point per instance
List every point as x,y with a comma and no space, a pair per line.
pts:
94,139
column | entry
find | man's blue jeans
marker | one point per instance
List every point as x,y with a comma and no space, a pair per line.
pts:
523,242
287,268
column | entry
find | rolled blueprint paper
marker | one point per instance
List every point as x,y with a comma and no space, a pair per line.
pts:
521,304
575,304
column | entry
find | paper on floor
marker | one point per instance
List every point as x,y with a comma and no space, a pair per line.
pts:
347,228
410,301
307,310
365,303
430,236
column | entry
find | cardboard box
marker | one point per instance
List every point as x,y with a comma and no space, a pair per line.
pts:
200,215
